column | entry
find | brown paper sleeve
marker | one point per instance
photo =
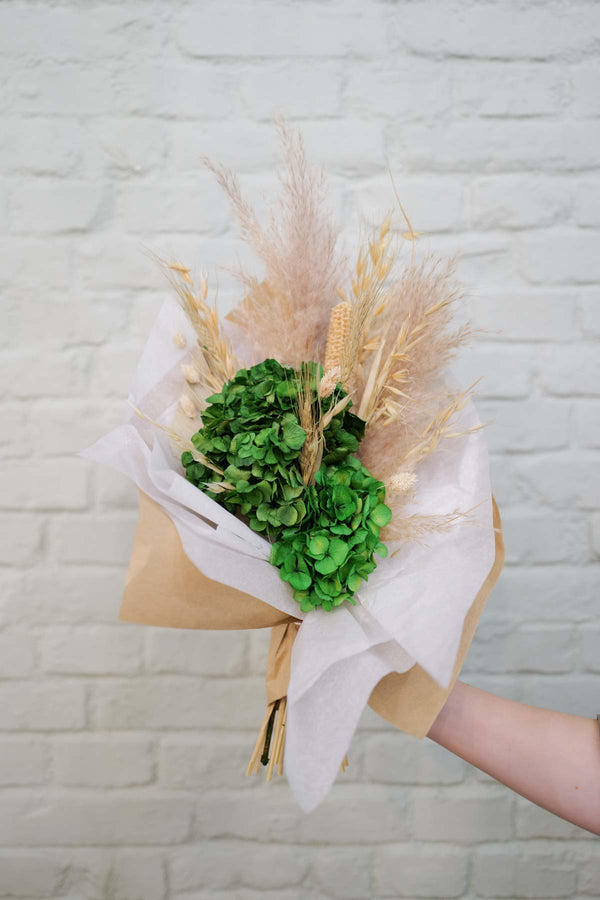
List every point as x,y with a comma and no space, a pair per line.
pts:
411,701
277,677
164,588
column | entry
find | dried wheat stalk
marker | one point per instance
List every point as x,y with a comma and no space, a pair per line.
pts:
214,361
367,301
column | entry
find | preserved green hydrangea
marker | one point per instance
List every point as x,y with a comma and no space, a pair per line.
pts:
327,557
325,534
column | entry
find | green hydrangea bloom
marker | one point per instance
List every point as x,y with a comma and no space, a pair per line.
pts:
324,534
327,557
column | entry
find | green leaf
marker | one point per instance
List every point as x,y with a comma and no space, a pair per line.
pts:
300,580
293,433
307,605
354,581
381,550
257,525
318,545
381,515
345,504
287,515
326,566
262,513
338,550
279,553
340,528
287,389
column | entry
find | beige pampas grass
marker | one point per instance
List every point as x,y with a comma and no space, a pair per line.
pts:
404,400
415,528
285,313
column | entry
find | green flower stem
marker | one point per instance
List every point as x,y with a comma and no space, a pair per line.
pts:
269,733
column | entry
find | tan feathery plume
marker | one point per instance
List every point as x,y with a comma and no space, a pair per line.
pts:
284,315
414,528
401,482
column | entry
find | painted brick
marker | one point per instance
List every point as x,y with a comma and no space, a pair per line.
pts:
41,706
544,538
16,654
93,539
498,873
66,206
342,872
22,538
206,763
227,863
495,89
518,315
57,594
22,762
497,32
302,88
461,817
95,650
197,652
527,425
37,873
98,762
180,703
206,31
404,872
136,877
105,819
560,257
585,90
346,816
43,485
575,371
518,201
402,760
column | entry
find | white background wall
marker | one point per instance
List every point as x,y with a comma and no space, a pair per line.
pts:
123,747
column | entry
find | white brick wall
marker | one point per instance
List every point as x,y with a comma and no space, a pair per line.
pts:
122,749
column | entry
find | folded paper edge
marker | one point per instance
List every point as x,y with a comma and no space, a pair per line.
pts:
164,588
412,701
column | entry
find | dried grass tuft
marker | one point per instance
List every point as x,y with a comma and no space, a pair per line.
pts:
213,360
284,314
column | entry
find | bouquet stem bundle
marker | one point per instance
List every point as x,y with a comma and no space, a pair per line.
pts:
269,746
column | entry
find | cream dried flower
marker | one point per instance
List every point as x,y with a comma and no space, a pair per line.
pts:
329,381
190,373
187,406
402,482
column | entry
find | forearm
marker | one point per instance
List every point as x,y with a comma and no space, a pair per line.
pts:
551,758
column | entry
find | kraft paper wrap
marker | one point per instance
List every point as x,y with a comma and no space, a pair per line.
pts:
164,588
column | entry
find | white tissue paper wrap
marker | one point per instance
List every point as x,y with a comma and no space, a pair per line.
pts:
411,609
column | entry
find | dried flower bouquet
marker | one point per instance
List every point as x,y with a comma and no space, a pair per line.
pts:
310,456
